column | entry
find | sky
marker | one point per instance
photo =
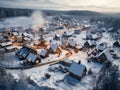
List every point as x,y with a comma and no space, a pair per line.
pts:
93,5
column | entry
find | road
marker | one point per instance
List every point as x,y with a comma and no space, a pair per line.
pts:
38,65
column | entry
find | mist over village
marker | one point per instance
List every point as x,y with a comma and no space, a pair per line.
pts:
59,45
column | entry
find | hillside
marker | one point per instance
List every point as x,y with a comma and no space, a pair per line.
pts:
12,12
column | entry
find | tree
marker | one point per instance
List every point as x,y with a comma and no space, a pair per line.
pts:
2,54
108,78
3,76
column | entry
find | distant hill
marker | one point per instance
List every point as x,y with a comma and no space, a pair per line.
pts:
11,12
115,15
72,12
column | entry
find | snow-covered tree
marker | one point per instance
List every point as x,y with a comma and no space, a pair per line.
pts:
109,78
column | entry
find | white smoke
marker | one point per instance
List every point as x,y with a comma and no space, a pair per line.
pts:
38,20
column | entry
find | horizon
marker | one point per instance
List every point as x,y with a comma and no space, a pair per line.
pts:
105,6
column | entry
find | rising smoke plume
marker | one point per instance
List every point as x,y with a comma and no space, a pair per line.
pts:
37,20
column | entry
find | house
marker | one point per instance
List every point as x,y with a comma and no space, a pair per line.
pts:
15,33
104,56
56,37
41,44
66,62
76,45
44,53
96,36
71,43
32,58
80,45
59,28
64,42
90,44
19,39
24,52
54,48
25,34
116,44
19,52
66,35
116,36
5,44
3,39
113,53
89,36
10,48
77,70
26,39
76,31
101,47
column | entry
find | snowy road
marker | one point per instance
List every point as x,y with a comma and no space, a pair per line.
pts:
38,65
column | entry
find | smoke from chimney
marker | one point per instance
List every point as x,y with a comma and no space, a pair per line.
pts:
37,20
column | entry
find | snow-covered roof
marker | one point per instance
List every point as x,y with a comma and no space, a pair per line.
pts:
72,42
111,28
15,77
31,57
106,52
25,34
67,34
118,30
24,51
77,31
57,35
95,36
43,52
108,55
24,54
77,69
15,33
6,43
88,34
27,39
67,61
101,47
91,42
53,47
10,47
82,42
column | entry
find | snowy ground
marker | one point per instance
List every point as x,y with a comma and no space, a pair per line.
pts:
58,79
10,59
16,21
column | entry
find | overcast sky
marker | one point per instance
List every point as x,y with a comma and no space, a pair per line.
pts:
94,5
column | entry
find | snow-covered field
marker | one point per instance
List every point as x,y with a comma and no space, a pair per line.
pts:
15,22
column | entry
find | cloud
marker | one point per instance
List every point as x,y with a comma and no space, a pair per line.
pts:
97,5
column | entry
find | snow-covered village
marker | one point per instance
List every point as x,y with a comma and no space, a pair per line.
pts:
59,50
